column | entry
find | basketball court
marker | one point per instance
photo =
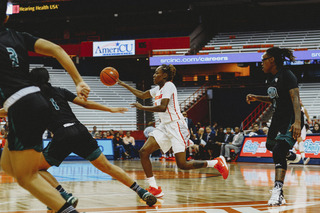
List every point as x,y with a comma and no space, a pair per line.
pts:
246,189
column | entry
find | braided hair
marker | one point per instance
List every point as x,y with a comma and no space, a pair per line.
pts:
280,55
3,11
170,70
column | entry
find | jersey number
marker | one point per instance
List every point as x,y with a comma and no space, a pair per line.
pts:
54,103
13,57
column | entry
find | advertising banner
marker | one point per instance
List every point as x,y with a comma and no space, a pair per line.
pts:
113,48
104,144
225,58
256,147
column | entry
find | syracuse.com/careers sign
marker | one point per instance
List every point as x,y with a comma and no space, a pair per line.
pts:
113,48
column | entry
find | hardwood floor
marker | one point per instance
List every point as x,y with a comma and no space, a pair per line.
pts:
204,190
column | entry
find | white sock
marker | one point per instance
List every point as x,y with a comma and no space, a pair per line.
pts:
303,155
211,163
152,182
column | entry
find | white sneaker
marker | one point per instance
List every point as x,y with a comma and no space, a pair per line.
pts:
298,158
277,197
306,161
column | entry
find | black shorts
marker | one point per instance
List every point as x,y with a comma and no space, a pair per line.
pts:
76,139
27,122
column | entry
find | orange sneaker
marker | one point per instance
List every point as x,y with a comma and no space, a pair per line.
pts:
157,192
222,166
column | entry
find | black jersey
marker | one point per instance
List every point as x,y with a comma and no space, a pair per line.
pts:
278,91
61,110
14,61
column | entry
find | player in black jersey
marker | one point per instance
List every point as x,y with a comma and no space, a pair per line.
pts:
285,128
72,136
27,109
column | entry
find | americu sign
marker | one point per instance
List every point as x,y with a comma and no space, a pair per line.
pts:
113,48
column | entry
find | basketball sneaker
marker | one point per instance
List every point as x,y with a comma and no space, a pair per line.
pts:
70,198
306,161
296,160
222,166
73,201
277,197
149,198
157,192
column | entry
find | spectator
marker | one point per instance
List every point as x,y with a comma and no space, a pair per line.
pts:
97,135
109,135
228,137
209,138
200,143
191,126
121,134
94,131
235,144
255,130
214,126
308,129
316,128
265,130
220,135
104,135
118,146
129,144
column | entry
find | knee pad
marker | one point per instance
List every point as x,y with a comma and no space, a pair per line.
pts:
279,154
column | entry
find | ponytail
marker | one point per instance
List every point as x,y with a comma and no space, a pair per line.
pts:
280,55
40,77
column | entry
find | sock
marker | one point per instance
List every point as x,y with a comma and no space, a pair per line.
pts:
152,182
211,163
278,184
303,155
140,191
291,156
67,208
60,189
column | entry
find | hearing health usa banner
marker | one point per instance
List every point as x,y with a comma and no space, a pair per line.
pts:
113,48
225,58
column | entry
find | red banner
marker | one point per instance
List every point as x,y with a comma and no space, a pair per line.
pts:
256,147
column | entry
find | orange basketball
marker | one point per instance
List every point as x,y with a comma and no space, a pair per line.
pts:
109,76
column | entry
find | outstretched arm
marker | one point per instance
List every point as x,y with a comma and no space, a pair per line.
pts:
251,98
97,106
296,126
160,108
3,113
48,48
137,93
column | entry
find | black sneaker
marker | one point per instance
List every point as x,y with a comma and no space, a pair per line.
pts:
149,198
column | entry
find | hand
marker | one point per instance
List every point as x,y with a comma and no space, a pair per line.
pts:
251,98
296,129
120,82
309,121
218,143
136,105
83,90
118,109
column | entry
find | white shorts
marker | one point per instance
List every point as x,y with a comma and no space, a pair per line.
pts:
174,134
303,133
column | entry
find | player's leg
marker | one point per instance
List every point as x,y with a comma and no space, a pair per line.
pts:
147,149
25,166
53,155
116,172
6,162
